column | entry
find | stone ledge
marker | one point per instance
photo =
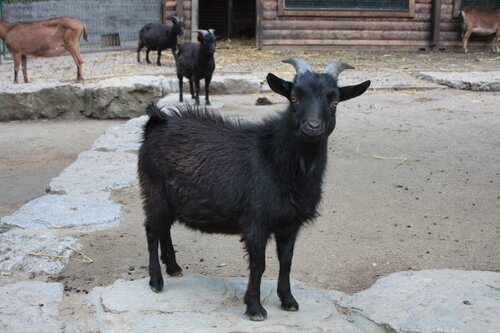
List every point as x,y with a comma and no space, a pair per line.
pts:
119,97
477,81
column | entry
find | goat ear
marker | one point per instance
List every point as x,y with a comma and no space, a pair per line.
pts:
279,86
353,91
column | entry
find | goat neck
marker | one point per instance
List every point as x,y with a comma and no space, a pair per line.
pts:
4,28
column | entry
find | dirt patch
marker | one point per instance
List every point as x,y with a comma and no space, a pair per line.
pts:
412,184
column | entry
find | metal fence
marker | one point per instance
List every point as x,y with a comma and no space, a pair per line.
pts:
494,4
111,24
348,4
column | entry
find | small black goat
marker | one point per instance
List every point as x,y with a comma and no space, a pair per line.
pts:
196,62
159,37
254,180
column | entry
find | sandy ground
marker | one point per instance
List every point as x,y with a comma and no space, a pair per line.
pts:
413,183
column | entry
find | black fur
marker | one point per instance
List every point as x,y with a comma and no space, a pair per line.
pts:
196,62
255,180
159,37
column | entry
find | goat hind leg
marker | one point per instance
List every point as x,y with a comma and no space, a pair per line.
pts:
465,39
75,53
159,56
147,55
155,277
168,252
181,99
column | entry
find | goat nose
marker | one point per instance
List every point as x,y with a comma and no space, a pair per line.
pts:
313,124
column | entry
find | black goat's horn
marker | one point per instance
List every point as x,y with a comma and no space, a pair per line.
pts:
204,32
175,19
212,31
335,68
301,65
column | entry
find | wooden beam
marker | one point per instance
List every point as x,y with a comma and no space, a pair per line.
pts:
436,23
258,23
194,20
180,8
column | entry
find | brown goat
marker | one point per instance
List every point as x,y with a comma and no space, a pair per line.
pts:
47,38
481,21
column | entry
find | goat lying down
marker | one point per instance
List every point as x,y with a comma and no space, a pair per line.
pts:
481,21
254,180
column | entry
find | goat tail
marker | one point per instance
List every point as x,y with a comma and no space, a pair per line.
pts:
85,32
156,117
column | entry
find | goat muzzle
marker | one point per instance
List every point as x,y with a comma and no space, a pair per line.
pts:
312,129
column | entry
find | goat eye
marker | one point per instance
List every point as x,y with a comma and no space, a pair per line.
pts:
294,99
334,103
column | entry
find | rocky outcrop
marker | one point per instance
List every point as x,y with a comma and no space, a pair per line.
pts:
119,97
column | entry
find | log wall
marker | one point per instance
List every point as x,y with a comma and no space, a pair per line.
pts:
351,32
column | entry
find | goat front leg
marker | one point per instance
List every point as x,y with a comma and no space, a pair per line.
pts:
147,55
257,257
207,84
285,243
197,91
24,62
155,278
17,62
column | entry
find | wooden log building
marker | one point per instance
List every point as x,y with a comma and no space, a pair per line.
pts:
333,24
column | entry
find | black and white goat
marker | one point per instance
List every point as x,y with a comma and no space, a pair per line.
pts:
253,180
196,62
159,37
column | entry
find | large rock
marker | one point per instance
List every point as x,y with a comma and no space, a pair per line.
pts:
447,301
17,244
197,303
118,97
122,97
66,211
480,81
40,100
30,306
96,171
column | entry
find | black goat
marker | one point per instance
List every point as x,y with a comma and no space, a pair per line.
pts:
159,37
196,62
255,180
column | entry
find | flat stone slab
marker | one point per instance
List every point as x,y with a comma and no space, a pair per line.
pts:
16,244
448,301
66,211
198,303
124,138
96,171
479,81
30,306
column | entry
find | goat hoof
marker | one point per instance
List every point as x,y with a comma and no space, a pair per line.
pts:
156,285
258,314
292,308
175,274
158,64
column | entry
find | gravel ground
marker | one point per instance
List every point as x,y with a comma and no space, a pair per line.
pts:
248,60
